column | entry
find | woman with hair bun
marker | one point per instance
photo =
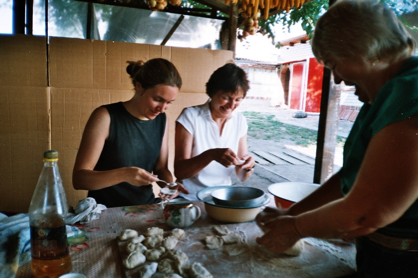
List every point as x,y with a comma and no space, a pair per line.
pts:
125,144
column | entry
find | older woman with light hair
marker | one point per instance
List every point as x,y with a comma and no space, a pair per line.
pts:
373,197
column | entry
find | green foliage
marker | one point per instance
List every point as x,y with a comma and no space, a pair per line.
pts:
306,16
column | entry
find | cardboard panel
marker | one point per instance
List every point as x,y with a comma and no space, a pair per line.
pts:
23,139
77,63
196,66
23,61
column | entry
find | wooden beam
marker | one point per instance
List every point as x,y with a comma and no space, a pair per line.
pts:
173,29
233,26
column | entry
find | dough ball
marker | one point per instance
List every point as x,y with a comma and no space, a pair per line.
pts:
170,242
214,242
131,247
221,229
199,271
166,266
148,269
153,241
153,231
128,234
178,233
154,254
134,259
232,237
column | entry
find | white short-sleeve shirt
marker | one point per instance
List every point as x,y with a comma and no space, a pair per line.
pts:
197,120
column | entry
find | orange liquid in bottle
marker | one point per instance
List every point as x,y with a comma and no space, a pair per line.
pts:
51,268
49,248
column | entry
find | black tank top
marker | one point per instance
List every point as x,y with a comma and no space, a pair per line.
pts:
131,142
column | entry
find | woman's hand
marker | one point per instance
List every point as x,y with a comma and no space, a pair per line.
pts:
139,177
245,167
225,156
268,215
280,234
179,188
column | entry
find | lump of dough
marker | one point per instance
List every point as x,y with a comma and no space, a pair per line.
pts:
235,249
154,254
153,241
170,242
180,259
153,231
138,239
134,259
166,275
296,249
199,271
214,242
166,266
148,269
232,237
131,247
128,234
178,233
221,229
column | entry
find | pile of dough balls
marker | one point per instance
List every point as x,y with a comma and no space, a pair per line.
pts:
154,254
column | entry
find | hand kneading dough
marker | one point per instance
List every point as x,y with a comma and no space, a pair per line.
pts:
136,258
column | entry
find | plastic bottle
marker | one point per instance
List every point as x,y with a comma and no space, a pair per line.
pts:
49,247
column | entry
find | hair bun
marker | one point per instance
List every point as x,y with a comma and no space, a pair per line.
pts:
133,67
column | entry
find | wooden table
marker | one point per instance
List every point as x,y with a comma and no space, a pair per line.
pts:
100,255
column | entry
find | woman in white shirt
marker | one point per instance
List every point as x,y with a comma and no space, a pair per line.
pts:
211,138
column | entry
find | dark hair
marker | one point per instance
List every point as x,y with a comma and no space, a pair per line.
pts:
228,78
154,72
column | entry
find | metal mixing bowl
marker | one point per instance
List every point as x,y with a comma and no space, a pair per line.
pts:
238,197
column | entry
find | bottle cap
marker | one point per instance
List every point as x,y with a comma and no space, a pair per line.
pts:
51,154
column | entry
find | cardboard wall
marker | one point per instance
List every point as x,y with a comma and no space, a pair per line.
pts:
47,102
